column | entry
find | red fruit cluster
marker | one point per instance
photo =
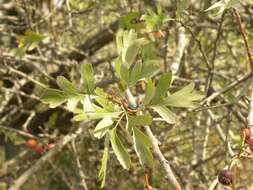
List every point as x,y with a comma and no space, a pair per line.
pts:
226,177
36,147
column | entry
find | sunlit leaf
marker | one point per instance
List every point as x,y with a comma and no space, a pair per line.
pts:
186,97
95,115
119,150
102,127
142,145
166,114
139,120
104,161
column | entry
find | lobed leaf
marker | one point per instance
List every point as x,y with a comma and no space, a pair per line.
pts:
186,97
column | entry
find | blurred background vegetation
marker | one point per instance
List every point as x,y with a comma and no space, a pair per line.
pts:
42,39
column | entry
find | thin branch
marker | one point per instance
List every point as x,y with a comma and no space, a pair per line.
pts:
19,132
79,166
225,89
156,150
244,35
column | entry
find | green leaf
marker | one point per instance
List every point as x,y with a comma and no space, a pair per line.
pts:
67,86
150,92
124,72
119,150
161,88
117,66
186,97
140,120
130,49
72,103
87,77
142,146
95,115
103,127
119,40
53,97
166,114
129,53
103,100
88,106
141,71
105,158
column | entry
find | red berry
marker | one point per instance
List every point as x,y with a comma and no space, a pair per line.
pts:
50,146
246,134
226,177
159,34
31,143
38,149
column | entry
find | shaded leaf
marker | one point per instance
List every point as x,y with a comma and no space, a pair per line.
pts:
87,77
150,92
141,71
53,97
161,88
67,86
